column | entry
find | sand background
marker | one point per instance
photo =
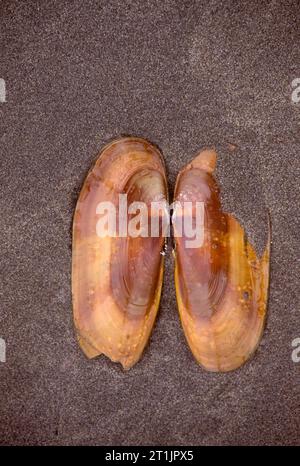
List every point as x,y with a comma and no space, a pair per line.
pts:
185,75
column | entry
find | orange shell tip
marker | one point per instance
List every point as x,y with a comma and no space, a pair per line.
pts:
206,160
87,348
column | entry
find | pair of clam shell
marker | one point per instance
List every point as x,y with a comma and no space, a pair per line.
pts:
221,286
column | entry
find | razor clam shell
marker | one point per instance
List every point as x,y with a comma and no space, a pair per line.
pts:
221,286
116,281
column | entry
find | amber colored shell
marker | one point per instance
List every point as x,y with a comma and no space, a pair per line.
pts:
221,286
116,281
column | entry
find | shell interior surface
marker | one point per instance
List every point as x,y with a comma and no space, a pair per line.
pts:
221,286
117,279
